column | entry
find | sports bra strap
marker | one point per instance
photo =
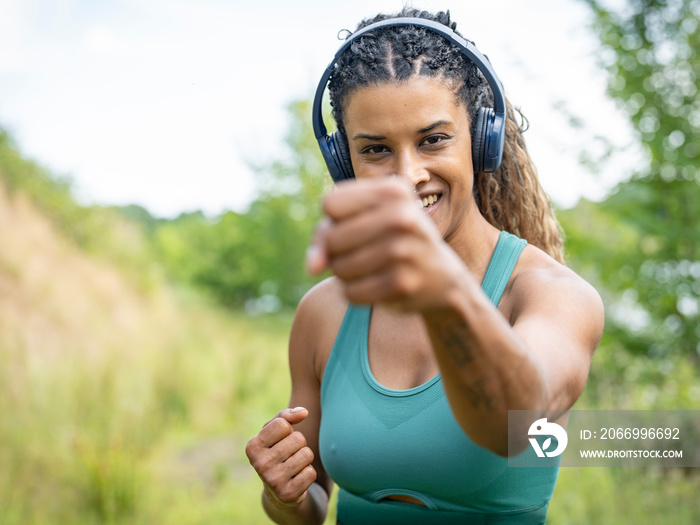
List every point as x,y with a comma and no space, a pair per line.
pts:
503,261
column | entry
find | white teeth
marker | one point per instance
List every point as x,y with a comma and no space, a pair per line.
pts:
427,201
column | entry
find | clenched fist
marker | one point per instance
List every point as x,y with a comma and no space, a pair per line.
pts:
281,458
384,248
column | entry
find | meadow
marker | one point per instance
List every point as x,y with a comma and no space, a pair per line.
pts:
131,403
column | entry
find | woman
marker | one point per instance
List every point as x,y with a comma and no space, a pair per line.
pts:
437,321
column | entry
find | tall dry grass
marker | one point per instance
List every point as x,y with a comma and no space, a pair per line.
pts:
120,404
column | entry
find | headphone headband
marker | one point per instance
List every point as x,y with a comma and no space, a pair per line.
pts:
493,149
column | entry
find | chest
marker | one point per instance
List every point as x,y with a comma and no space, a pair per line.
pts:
380,443
399,350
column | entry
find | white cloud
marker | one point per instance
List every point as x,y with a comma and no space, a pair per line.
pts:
162,102
101,41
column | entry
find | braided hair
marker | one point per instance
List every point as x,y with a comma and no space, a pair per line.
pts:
511,198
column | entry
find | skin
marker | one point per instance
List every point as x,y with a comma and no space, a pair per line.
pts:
421,270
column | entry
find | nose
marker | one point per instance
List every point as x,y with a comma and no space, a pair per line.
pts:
410,168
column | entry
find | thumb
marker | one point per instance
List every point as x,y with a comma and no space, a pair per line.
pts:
316,255
294,415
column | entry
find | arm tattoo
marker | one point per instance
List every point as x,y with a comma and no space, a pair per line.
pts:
477,395
456,337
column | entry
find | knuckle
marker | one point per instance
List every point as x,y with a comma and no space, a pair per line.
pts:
403,218
398,251
392,188
402,282
331,201
340,267
250,448
298,439
334,240
311,472
307,455
273,479
261,464
287,494
281,425
308,475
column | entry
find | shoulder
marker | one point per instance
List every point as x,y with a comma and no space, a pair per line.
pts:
316,323
540,284
325,302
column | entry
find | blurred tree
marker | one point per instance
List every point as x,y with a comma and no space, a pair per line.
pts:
647,231
256,258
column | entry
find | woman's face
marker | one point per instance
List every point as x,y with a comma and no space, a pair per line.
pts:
418,131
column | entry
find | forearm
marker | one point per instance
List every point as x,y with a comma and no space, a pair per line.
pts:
486,368
311,510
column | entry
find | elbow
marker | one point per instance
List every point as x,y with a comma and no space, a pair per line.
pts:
507,443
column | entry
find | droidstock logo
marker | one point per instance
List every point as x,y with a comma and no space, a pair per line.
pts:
543,428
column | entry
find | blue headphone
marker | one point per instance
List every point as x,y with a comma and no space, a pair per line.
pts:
489,134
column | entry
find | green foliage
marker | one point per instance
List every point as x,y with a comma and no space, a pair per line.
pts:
254,258
648,229
613,496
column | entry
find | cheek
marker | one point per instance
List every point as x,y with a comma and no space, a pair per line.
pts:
369,171
462,174
364,174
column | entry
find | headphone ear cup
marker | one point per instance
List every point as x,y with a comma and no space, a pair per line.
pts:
342,155
480,139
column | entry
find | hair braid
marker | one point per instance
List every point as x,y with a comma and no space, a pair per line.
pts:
511,198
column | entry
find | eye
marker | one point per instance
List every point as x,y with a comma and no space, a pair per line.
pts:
434,140
374,150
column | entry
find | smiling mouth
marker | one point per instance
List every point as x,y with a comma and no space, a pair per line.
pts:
428,201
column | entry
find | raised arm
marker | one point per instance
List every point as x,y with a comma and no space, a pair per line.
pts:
536,359
531,353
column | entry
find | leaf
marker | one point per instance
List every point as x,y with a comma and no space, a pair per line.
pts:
546,444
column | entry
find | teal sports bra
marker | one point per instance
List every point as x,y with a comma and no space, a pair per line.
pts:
376,442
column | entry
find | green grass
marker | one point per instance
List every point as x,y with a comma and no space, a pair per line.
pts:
158,436
148,436
611,496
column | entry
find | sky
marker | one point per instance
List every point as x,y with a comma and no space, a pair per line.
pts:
167,103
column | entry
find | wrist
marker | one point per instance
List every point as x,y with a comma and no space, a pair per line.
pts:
273,500
310,508
460,292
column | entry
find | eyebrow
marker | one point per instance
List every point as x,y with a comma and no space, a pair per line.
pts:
432,126
368,137
419,132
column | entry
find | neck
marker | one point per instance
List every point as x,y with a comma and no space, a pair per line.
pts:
475,242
